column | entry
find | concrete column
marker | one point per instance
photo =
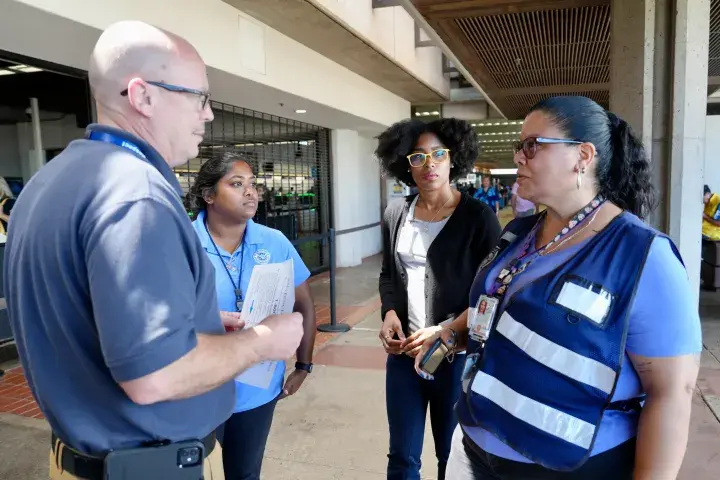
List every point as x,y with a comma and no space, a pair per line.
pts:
690,67
662,109
632,51
356,196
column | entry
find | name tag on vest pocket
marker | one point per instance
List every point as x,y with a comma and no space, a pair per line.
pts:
586,299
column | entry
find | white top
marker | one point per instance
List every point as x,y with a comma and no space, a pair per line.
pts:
414,240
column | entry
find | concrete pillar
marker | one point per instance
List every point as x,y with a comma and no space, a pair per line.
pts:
662,109
658,73
356,196
690,67
632,51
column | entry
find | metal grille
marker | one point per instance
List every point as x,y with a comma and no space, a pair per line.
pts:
292,163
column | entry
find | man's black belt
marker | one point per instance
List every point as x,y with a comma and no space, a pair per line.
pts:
92,468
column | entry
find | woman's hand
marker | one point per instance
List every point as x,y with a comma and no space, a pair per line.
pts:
293,383
231,321
447,337
390,327
415,342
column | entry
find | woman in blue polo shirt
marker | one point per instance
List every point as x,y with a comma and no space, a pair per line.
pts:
224,199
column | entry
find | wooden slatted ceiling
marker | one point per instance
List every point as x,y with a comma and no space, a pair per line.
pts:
714,60
550,48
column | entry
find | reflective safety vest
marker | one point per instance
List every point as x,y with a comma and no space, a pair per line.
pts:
552,359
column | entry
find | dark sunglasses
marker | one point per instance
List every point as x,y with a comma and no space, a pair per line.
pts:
419,159
529,146
204,96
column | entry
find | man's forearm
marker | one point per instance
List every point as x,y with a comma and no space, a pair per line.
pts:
215,360
662,437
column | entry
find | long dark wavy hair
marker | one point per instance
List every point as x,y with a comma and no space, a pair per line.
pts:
400,139
622,166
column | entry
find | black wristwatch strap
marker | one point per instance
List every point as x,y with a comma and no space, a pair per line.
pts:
307,367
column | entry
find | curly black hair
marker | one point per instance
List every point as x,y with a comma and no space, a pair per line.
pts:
399,141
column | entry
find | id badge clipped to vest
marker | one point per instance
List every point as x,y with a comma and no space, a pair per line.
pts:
481,317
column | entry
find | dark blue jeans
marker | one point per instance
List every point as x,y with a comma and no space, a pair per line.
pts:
243,438
407,399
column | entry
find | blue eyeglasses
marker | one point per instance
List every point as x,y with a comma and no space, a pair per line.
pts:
204,96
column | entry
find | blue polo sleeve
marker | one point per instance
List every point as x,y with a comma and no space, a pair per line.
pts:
300,269
664,320
142,287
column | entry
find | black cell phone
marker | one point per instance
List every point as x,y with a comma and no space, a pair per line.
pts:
176,461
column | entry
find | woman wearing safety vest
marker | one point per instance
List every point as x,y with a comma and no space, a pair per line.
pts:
582,360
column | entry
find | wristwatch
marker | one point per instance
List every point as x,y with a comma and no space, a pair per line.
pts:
307,367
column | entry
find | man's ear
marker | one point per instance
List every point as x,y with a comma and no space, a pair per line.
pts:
140,97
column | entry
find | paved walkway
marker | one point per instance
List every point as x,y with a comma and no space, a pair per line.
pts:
335,426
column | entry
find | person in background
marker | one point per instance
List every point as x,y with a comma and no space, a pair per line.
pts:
433,242
520,206
110,296
488,194
711,215
7,202
225,199
593,351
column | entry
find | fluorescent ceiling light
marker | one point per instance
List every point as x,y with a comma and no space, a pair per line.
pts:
503,171
6,72
300,111
25,68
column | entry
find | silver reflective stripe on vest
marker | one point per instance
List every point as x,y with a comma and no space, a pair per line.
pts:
580,368
547,419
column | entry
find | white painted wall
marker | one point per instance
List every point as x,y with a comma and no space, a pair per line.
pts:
9,153
55,134
712,152
392,31
356,196
229,42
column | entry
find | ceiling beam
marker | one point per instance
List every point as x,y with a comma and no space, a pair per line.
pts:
444,9
559,89
713,81
448,32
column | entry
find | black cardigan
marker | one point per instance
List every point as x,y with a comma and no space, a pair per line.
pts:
453,258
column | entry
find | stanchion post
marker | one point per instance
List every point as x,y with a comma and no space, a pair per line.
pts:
333,326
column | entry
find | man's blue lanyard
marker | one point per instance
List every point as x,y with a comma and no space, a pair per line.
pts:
115,140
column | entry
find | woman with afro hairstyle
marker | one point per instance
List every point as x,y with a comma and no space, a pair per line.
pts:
433,242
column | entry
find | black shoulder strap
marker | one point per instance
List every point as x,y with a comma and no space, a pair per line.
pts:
517,228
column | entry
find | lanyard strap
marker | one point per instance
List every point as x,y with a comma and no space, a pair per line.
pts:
115,140
236,286
518,265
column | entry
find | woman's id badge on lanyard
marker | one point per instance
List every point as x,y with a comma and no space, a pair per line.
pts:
481,317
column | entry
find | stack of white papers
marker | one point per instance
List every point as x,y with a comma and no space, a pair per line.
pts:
271,291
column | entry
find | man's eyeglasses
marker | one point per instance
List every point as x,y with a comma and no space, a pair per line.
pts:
419,159
529,146
204,96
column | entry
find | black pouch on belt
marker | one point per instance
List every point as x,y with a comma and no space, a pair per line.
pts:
164,461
